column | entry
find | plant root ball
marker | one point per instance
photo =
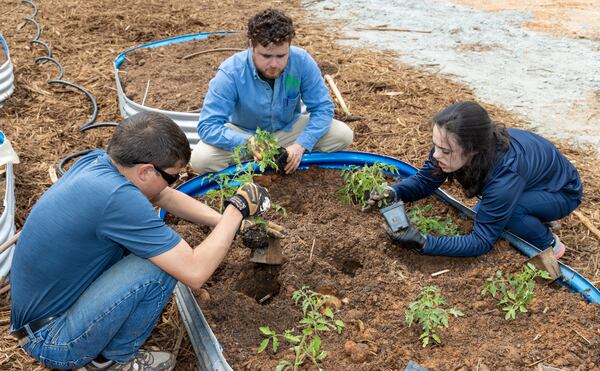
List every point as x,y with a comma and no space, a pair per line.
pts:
358,352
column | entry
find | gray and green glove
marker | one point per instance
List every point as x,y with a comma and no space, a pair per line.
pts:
250,199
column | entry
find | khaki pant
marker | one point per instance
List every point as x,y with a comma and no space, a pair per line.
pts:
207,158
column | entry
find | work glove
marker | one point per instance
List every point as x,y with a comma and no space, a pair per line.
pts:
409,237
250,199
273,229
383,192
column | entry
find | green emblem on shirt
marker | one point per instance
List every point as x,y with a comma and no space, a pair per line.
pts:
292,85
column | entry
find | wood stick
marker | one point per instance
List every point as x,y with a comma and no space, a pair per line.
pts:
311,249
390,29
337,94
10,242
536,362
583,337
146,92
588,223
440,272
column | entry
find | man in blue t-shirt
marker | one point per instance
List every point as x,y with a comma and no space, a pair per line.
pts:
264,87
95,265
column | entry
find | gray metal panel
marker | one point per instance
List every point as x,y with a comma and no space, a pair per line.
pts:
6,75
7,221
209,353
186,121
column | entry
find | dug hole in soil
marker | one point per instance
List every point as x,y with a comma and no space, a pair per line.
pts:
347,251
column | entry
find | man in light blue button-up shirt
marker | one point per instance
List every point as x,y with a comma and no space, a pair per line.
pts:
264,87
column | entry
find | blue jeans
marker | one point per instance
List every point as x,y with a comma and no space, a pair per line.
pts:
113,317
533,209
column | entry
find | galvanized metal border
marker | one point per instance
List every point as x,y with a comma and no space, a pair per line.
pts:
7,221
6,74
187,121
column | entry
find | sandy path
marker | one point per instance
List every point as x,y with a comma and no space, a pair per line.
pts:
578,19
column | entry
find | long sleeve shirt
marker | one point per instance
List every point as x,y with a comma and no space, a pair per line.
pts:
237,94
531,163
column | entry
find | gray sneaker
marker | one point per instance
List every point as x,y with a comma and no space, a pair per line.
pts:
143,361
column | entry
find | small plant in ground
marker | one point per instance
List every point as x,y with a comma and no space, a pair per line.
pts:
245,172
432,225
267,147
360,181
307,344
515,291
428,312
228,184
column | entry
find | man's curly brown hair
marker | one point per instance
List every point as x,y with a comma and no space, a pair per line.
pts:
270,26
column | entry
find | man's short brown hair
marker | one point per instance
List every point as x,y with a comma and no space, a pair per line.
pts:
149,137
270,26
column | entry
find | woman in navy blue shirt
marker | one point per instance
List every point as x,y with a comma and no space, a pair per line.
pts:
523,182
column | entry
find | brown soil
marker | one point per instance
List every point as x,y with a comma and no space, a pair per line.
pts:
183,78
348,251
2,55
571,18
395,102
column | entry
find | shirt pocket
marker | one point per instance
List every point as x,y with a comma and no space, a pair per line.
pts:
290,105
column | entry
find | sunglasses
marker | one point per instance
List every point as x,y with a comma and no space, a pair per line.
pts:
169,178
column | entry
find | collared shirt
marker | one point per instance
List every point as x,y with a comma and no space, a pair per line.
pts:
531,163
238,95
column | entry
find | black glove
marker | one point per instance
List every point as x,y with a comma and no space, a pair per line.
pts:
281,161
409,237
250,199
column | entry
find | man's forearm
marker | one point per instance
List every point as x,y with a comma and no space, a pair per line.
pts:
188,208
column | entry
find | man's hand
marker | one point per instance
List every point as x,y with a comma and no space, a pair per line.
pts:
256,150
250,199
273,230
383,192
295,152
409,238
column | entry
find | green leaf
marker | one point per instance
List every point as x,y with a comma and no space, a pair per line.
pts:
266,331
275,344
292,338
263,345
321,356
436,338
283,366
329,313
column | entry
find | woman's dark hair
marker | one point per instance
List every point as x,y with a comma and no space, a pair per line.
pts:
149,137
477,134
270,26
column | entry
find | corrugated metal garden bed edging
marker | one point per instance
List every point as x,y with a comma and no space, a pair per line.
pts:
187,121
6,74
208,350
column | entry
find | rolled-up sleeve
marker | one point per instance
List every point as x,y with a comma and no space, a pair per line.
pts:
498,200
